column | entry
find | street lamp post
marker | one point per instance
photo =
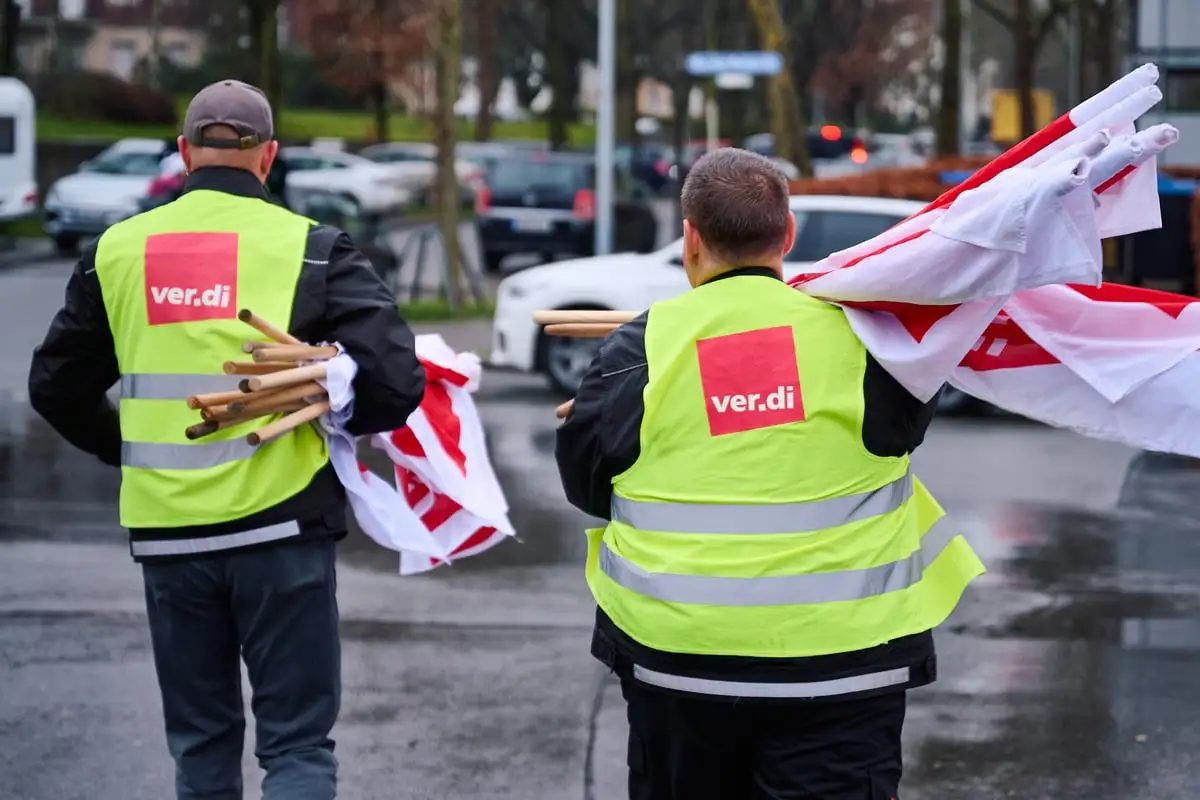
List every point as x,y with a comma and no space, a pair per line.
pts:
605,105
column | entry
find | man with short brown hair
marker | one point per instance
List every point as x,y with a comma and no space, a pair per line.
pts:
237,543
738,203
770,572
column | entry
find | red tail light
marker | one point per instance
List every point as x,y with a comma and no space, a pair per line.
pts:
858,155
585,205
163,185
662,167
483,199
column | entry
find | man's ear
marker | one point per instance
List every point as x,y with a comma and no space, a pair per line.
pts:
790,239
691,240
185,152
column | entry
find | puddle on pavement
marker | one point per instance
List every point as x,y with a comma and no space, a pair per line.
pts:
1091,692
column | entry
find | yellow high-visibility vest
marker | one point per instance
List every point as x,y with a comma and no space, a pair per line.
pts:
754,521
173,280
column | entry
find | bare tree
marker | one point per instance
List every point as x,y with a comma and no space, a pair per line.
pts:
951,78
1098,61
264,48
449,57
365,45
487,56
10,23
787,118
1029,28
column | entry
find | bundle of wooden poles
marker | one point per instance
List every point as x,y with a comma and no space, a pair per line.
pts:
580,325
277,382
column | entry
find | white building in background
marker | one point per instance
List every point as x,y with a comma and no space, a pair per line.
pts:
1167,33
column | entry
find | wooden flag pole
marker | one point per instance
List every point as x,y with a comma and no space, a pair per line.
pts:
267,329
581,330
293,352
292,421
580,323
287,377
560,316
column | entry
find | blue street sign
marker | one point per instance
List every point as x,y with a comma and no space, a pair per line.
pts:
745,63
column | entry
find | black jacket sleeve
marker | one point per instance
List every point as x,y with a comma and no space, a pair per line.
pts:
894,422
601,437
362,315
76,365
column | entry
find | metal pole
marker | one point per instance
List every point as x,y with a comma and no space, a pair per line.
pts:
605,107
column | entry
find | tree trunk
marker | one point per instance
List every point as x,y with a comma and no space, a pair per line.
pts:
627,76
379,105
488,74
787,115
264,51
449,56
556,70
949,118
10,23
1024,64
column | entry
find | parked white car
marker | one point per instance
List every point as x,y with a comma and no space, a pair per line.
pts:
825,224
103,191
416,162
18,181
374,188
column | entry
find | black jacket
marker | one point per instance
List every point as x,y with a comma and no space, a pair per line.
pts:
339,298
600,439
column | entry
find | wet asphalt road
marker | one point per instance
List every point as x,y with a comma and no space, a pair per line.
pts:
1068,672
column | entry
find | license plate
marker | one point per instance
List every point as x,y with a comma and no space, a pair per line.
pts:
533,225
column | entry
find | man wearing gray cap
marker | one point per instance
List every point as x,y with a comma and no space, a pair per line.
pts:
236,543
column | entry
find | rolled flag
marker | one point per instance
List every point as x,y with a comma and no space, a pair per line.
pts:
998,298
1123,97
441,462
442,501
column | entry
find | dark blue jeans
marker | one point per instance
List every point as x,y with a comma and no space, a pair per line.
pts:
277,609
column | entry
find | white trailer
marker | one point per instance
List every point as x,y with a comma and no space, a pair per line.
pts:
18,163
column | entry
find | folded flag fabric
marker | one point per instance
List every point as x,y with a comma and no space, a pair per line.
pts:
995,288
442,501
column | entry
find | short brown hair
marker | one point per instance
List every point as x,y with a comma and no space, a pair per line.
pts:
738,203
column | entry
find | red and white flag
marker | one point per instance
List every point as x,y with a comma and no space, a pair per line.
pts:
995,287
443,501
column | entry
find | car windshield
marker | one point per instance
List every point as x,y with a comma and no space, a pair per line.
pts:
518,176
126,162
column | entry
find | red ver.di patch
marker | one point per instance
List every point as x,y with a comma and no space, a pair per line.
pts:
191,277
750,380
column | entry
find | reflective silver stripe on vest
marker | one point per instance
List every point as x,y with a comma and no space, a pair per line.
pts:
199,455
829,688
784,590
209,544
147,386
763,518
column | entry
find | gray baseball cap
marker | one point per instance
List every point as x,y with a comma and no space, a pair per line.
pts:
233,103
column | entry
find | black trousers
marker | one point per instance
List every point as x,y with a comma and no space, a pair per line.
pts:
690,747
275,609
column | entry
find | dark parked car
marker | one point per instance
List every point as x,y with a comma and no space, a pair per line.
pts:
545,203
